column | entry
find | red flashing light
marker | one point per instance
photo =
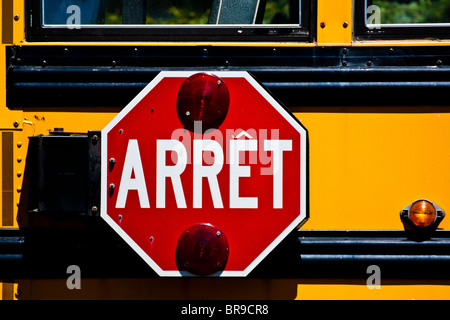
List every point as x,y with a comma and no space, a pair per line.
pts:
203,97
202,249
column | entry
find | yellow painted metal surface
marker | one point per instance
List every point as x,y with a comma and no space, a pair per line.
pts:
366,164
13,14
18,19
225,289
8,290
332,289
77,120
7,117
334,22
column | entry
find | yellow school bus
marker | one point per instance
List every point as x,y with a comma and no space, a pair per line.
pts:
369,79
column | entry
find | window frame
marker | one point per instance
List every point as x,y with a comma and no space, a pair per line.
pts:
395,31
35,32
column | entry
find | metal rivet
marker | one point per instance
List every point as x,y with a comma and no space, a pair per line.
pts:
94,209
151,239
188,113
439,62
19,144
322,24
369,63
218,233
19,159
16,17
19,173
345,24
19,188
112,162
345,51
120,131
16,124
94,138
391,50
120,217
111,186
344,63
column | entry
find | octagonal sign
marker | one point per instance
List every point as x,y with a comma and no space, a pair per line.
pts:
204,173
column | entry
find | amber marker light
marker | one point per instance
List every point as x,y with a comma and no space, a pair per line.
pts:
422,213
421,218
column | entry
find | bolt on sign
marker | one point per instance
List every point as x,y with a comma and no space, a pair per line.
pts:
204,173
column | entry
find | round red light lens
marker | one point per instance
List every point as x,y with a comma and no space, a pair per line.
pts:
203,97
422,213
202,249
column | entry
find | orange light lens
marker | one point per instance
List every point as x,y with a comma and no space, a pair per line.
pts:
422,213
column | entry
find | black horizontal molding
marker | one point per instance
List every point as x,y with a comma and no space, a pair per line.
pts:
309,91
374,259
12,245
47,252
141,75
91,76
350,253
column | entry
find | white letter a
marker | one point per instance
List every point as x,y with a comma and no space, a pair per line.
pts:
132,163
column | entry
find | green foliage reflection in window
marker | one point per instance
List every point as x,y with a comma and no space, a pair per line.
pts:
191,12
416,11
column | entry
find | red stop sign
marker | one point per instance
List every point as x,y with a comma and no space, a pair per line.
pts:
204,173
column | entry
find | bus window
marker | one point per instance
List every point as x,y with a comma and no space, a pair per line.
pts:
170,20
413,11
402,19
171,12
62,12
